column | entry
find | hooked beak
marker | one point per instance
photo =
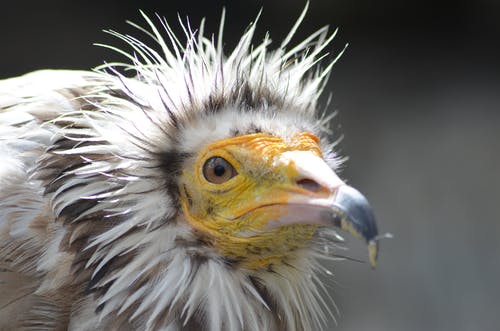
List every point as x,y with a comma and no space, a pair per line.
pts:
352,212
320,197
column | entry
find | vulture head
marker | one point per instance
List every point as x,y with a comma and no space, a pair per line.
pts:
200,192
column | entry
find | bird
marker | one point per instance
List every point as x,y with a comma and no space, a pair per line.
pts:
186,188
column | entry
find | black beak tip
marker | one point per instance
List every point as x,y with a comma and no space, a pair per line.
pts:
358,218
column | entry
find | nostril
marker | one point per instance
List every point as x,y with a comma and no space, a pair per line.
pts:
309,184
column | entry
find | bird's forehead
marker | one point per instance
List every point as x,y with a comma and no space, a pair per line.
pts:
229,126
269,145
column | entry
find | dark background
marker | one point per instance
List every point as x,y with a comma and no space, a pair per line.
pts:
418,99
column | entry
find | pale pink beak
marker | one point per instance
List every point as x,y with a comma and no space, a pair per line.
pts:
326,201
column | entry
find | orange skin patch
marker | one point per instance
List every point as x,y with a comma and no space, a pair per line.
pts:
230,215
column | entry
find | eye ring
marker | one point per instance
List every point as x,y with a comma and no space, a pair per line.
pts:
218,170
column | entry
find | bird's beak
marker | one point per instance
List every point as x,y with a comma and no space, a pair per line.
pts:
352,212
318,196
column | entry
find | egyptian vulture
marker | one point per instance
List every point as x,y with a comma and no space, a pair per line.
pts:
188,189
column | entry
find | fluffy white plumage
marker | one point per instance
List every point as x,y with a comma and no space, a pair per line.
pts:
91,237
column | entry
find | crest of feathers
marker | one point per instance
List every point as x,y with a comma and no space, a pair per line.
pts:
90,224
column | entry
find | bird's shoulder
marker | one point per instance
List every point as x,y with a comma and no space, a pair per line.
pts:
43,95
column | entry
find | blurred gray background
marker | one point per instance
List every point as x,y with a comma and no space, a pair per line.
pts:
418,95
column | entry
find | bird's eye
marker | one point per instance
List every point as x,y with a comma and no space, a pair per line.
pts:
217,170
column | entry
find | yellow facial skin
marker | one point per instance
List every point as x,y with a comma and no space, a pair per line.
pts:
232,216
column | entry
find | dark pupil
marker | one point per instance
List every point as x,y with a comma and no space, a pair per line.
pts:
219,170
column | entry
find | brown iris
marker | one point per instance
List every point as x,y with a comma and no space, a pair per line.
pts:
217,170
